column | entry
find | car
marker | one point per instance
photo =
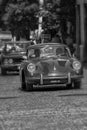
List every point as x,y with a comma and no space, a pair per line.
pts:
1,49
12,55
49,65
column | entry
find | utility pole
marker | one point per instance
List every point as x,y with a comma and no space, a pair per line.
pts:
41,2
82,28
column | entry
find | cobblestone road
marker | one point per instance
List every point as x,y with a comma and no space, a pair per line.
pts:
41,109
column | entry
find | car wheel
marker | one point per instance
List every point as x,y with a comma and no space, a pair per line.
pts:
29,87
69,86
77,84
25,86
3,72
23,83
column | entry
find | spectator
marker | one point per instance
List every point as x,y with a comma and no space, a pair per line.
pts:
56,39
69,42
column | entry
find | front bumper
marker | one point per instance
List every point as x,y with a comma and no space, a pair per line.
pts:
11,67
50,81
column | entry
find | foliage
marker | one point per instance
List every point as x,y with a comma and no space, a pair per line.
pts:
2,9
51,19
68,13
57,13
20,16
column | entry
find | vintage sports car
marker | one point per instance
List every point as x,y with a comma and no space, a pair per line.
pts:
49,65
12,55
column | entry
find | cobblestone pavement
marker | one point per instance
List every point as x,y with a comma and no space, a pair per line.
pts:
42,109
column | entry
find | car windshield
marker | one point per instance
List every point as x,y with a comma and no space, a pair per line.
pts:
48,51
15,47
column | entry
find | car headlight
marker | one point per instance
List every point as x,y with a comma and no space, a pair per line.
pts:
31,67
10,61
5,61
76,65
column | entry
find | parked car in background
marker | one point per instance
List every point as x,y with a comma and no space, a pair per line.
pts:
1,49
49,65
12,55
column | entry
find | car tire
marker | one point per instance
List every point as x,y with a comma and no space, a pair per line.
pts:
77,84
23,83
29,87
25,86
3,72
69,86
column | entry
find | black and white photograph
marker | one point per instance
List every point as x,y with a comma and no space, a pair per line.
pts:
43,64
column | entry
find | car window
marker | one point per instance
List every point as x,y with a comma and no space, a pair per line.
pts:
34,53
62,51
48,51
59,51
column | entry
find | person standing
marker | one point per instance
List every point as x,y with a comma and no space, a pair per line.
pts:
56,39
69,42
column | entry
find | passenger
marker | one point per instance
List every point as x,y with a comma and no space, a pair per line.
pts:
37,53
56,39
69,42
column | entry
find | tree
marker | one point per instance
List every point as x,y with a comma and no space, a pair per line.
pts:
68,14
3,4
56,15
20,17
51,17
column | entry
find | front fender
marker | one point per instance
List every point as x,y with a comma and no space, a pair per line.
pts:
23,67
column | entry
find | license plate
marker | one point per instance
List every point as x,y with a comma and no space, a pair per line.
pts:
55,81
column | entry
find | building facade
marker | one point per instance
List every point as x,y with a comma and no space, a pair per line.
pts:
81,28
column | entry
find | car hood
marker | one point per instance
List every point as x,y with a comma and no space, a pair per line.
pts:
13,55
54,66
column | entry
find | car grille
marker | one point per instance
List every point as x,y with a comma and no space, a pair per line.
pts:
62,63
55,81
19,60
14,60
45,68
